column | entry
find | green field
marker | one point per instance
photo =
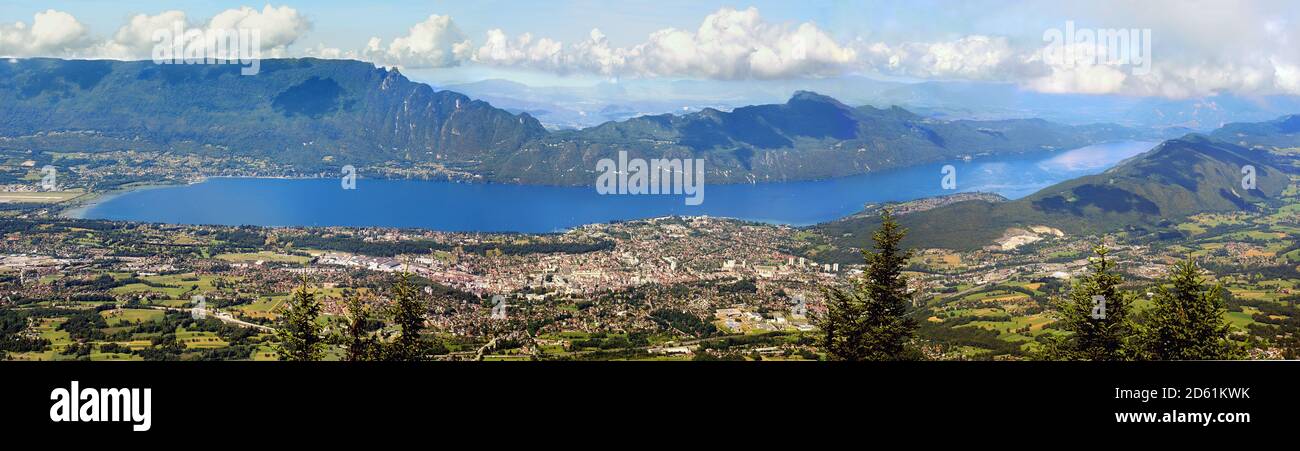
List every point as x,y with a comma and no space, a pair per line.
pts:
176,286
265,256
199,340
130,316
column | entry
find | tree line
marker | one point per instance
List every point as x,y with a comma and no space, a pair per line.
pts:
300,334
1186,320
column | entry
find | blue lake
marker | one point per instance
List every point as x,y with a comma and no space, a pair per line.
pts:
498,207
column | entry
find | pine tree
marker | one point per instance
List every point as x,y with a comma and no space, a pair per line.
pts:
869,322
841,327
409,315
298,333
1096,313
1187,319
359,345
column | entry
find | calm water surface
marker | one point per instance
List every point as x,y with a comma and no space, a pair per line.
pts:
484,207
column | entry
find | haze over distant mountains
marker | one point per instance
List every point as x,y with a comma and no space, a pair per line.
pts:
809,136
585,106
318,115
1283,132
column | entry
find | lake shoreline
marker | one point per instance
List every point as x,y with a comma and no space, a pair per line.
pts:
492,207
80,206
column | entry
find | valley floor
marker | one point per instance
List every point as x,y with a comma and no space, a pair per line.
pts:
667,288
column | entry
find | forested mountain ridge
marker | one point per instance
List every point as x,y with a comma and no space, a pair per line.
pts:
317,115
304,112
809,137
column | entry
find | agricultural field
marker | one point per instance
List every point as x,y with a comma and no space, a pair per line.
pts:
118,317
263,308
264,256
140,333
1253,255
175,286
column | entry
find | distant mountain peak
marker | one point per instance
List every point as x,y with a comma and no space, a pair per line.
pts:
1289,124
1280,132
1190,138
810,96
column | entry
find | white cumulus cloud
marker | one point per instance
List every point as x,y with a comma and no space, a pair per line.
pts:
436,42
51,33
499,49
278,27
729,44
974,57
134,40
59,34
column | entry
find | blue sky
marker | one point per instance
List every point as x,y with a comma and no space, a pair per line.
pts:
1200,47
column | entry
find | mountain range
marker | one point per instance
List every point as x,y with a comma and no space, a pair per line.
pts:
810,136
582,106
317,115
1280,133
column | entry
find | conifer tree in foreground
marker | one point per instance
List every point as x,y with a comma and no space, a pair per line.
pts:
841,337
1096,313
357,342
869,322
409,315
297,332
1187,319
